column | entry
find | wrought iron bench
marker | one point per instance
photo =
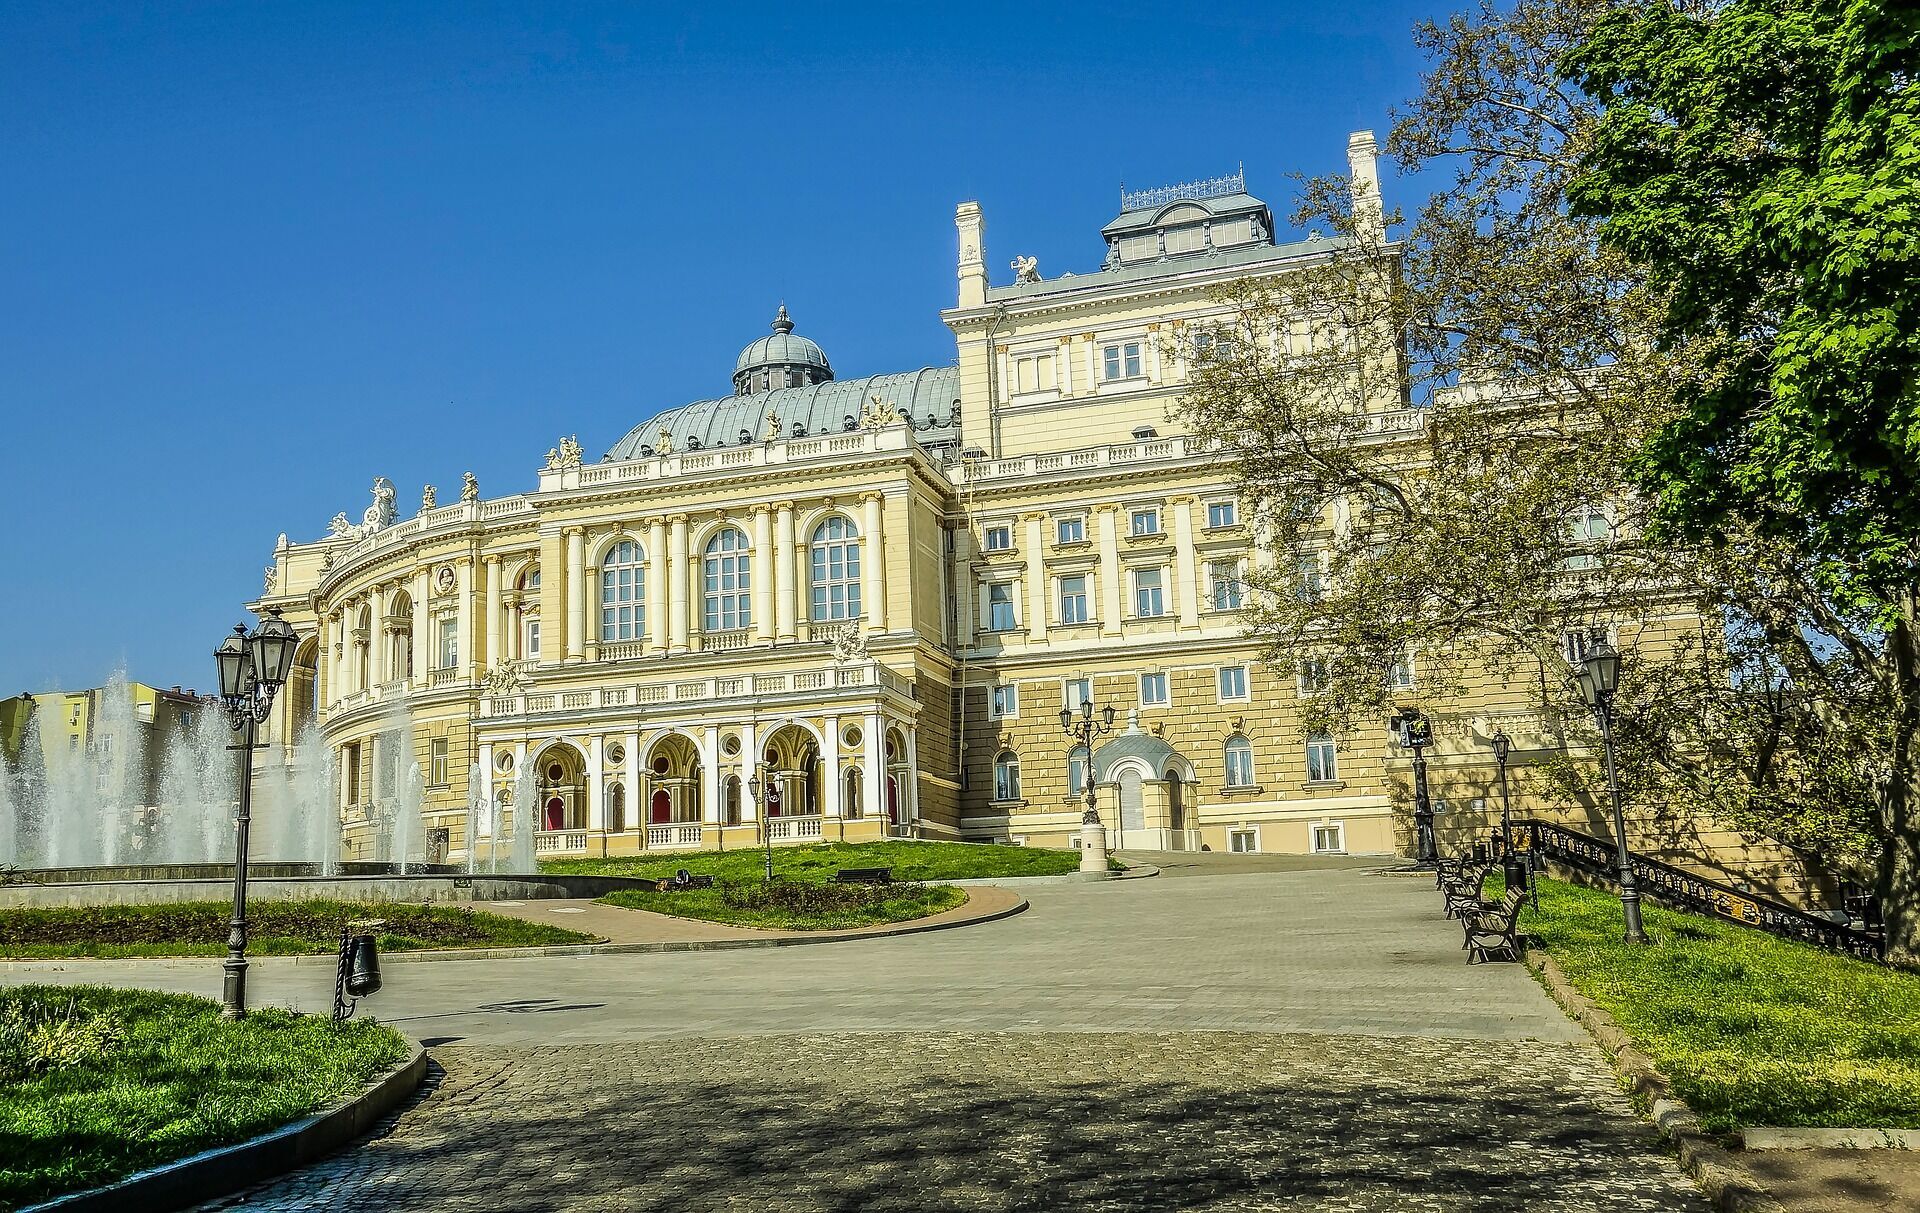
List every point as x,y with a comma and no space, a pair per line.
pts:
1445,869
683,880
1492,929
1466,893
863,876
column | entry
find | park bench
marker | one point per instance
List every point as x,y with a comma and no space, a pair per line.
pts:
1491,929
1445,870
1465,894
682,880
863,876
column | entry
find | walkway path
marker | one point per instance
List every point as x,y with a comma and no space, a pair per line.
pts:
1307,1040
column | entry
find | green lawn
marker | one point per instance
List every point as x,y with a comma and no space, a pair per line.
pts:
98,1083
275,928
910,860
797,905
1751,1029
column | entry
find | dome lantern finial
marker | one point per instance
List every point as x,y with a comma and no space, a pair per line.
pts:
781,323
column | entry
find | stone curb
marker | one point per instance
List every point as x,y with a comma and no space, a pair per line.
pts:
1731,1187
1763,1137
681,945
227,1169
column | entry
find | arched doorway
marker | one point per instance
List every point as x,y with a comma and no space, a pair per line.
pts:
560,773
791,758
673,780
1133,807
616,808
899,781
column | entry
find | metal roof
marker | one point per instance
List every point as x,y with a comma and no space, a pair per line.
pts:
930,398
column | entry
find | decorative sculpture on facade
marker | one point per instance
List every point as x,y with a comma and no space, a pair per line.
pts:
469,489
772,429
378,515
506,678
1026,269
565,457
663,445
849,644
878,414
428,500
271,576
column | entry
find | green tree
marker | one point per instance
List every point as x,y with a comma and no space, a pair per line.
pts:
1761,159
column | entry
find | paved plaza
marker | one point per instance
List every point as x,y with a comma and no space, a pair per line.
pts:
1292,1039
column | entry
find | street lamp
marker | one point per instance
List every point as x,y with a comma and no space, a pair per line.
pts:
1515,869
1599,676
766,794
253,667
1083,728
1416,733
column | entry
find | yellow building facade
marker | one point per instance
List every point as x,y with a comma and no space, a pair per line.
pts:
871,595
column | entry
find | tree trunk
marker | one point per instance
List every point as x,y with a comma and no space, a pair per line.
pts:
1900,813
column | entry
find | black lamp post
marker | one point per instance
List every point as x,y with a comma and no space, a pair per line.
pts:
1083,728
766,794
1599,676
253,667
1416,733
1514,867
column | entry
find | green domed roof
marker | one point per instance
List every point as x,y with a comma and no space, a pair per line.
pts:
783,349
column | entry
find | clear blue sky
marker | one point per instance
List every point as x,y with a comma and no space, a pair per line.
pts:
252,255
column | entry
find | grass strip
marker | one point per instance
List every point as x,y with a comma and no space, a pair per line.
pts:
102,1083
275,928
1751,1029
910,860
792,906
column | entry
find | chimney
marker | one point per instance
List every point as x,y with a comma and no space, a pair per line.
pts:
1368,217
972,227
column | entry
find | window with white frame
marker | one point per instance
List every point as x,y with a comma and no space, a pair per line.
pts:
1077,692
1144,521
1153,690
999,538
1149,594
623,611
1239,762
449,650
1330,838
1587,530
1226,584
1071,530
1000,607
1033,373
437,762
1243,841
1575,642
1312,675
1323,764
1006,776
1233,683
1077,770
1400,670
1310,583
1004,701
1121,360
729,581
835,549
1073,598
1222,513
531,637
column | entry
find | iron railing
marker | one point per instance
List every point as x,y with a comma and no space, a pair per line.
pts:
1687,891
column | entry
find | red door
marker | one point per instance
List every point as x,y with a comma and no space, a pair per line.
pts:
556,813
662,806
893,800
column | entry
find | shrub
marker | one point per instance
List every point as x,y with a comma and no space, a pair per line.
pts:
38,1037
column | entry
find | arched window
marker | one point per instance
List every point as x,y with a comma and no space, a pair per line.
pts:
850,805
616,808
1239,762
729,571
731,802
836,570
1006,776
1077,770
623,611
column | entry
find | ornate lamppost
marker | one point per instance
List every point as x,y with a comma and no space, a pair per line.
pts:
766,795
1083,728
1416,733
1599,676
253,667
1514,868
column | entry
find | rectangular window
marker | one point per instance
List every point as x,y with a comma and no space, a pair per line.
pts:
1588,529
1400,672
1233,683
1005,701
437,762
1222,513
1153,690
1227,584
533,639
1145,521
1073,599
1000,607
1006,780
1310,583
1322,764
1149,598
999,538
1078,691
1312,675
1121,361
1239,763
1575,642
1243,842
1072,530
1330,839
449,642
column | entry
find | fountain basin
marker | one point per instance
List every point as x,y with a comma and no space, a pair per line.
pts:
160,885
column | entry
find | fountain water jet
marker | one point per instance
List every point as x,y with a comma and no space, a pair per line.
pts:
526,794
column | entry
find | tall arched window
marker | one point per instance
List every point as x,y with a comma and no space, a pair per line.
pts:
623,610
836,570
850,796
1077,770
1239,756
1006,776
729,572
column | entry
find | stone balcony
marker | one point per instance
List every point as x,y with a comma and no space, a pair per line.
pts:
856,678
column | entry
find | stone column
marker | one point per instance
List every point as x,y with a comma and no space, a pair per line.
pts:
484,816
873,760
1187,587
337,657
710,778
494,609
1111,575
576,574
830,805
782,573
596,786
692,580
750,751
422,623
763,559
376,638
1036,578
659,577
910,794
463,629
873,565
590,594
677,580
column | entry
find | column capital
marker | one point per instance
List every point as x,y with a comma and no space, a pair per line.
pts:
761,508
493,560
679,519
870,498
1184,498
1034,516
574,530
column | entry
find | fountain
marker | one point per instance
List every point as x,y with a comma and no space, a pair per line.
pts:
196,794
526,795
406,816
10,831
473,818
